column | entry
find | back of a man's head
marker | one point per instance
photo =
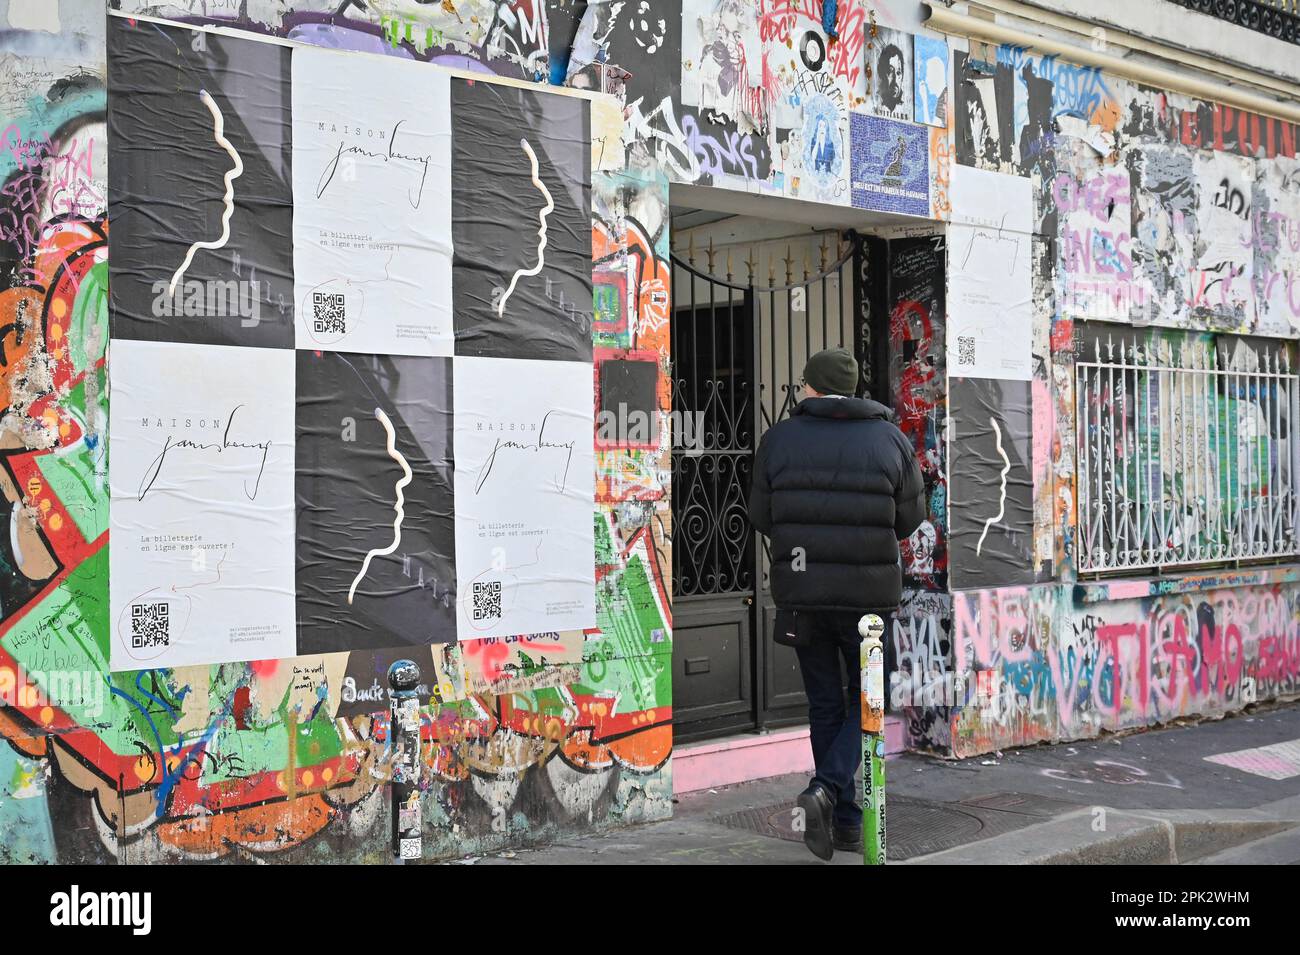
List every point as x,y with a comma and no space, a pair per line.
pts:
833,371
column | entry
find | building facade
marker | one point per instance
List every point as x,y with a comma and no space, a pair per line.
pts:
1064,241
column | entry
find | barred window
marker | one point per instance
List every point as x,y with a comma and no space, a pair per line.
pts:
1184,450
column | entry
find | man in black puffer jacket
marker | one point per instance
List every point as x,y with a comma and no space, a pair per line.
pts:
836,487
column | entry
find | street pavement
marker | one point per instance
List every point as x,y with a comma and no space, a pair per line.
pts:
1222,791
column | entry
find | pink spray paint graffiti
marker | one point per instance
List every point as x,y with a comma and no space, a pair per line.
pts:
1036,666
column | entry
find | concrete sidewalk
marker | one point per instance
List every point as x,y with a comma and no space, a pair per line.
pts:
1143,798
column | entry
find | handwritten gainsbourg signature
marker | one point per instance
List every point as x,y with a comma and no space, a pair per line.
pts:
154,470
541,444
327,176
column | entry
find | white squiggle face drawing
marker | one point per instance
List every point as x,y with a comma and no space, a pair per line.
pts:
228,198
541,230
399,502
1002,492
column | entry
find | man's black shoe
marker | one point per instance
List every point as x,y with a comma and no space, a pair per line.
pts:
817,807
847,839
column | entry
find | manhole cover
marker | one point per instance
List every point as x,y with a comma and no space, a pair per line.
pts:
916,826
1027,803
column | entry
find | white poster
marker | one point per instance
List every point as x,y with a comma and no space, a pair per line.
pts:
990,307
1095,257
201,566
890,88
722,56
525,486
990,293
371,205
996,199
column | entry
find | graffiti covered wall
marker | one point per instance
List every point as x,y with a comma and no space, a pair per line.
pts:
1039,666
1144,208
286,758
1148,208
755,96
980,671
1143,224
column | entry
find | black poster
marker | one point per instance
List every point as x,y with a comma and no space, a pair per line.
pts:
200,191
521,223
629,395
376,545
991,485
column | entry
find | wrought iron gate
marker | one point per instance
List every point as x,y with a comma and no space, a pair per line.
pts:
738,351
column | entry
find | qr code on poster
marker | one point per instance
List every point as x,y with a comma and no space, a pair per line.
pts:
329,316
150,626
487,600
965,350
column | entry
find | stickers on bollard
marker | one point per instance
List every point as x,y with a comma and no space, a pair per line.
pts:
409,714
406,741
876,677
410,849
871,661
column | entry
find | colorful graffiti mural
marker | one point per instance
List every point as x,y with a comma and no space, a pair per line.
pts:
1036,665
522,737
1149,207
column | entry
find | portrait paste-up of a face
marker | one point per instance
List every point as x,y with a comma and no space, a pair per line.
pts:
891,91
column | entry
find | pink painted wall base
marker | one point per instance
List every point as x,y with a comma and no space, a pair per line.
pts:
739,759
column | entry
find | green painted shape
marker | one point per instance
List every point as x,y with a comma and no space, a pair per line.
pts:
152,708
78,475
546,701
627,614
239,753
626,660
639,683
607,305
67,633
233,753
87,333
604,543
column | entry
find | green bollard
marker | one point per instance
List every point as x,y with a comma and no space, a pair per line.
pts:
872,665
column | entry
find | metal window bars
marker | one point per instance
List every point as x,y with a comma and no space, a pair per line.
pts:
1277,18
1185,455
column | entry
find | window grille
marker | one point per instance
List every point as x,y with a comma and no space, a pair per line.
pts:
1184,452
